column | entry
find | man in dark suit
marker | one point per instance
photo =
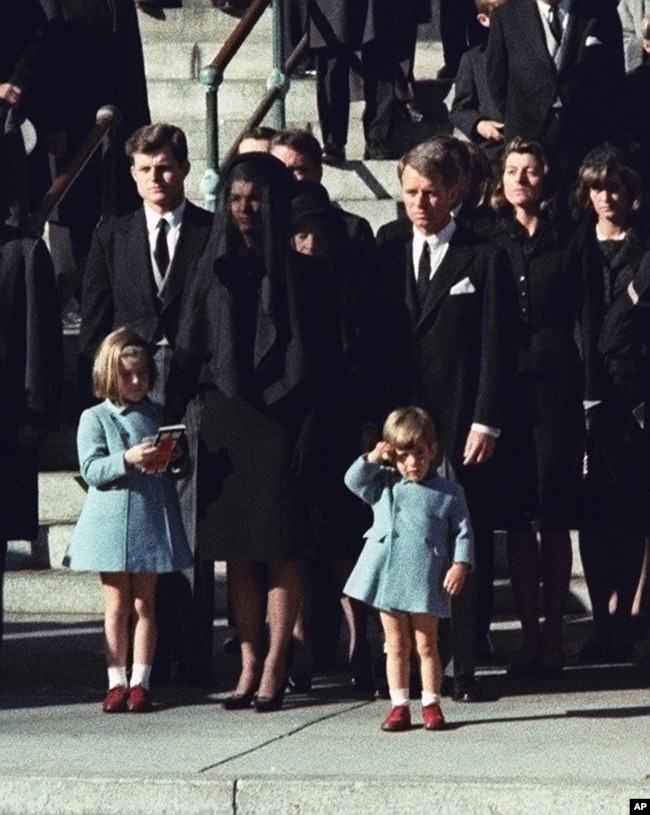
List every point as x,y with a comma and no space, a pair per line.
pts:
556,70
137,268
473,110
447,314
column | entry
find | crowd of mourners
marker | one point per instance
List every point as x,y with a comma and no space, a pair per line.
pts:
359,413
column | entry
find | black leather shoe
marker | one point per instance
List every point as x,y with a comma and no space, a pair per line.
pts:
269,704
333,155
238,701
466,690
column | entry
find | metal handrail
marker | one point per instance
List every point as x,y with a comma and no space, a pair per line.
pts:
106,121
277,87
266,102
211,76
238,35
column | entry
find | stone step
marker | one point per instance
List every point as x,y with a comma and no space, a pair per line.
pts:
200,23
60,591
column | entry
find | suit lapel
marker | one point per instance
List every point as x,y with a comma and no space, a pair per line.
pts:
139,257
574,34
533,23
452,269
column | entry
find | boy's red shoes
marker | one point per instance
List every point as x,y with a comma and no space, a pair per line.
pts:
138,701
116,699
433,718
398,719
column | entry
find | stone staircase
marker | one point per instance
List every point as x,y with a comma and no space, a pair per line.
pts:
175,49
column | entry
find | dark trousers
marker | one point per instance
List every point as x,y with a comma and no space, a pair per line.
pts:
333,68
459,30
184,600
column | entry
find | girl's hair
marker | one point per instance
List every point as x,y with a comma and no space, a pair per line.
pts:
407,427
120,344
599,167
523,147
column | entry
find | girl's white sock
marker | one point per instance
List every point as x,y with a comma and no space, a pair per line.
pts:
429,698
140,674
117,676
399,696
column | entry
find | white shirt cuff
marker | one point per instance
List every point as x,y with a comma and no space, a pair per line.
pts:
495,432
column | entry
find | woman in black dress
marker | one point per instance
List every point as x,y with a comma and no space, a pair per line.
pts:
544,435
258,320
607,250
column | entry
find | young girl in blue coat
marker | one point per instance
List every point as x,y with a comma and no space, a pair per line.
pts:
415,558
130,527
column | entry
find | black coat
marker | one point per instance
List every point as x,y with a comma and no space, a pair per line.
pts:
545,427
614,348
97,60
473,100
456,353
25,58
525,81
119,287
256,460
460,341
31,373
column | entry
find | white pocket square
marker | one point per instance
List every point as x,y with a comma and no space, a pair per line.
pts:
592,41
464,286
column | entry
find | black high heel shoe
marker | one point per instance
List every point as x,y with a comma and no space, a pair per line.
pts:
238,701
269,704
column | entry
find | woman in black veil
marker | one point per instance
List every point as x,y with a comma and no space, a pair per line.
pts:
259,325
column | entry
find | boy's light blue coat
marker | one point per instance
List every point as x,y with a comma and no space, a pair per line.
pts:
130,522
419,530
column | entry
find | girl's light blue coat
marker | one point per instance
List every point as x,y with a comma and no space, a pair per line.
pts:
130,522
419,530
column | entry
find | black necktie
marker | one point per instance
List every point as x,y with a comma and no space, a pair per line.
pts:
161,252
424,272
554,22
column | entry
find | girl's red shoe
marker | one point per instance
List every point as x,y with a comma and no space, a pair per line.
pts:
115,700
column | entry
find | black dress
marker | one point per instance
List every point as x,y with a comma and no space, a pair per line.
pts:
617,474
264,329
544,433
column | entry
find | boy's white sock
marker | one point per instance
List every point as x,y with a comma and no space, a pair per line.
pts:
429,698
399,696
140,674
117,676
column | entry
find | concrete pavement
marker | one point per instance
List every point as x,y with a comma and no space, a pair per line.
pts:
577,745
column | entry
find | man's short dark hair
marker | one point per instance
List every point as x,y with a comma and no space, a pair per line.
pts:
153,138
443,156
259,133
302,141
